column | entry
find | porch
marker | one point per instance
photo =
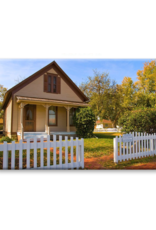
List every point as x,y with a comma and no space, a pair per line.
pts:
36,118
38,135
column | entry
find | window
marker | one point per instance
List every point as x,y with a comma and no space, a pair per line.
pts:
49,83
71,114
54,84
52,115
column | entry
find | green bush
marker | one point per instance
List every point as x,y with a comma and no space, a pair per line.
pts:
6,138
84,121
143,120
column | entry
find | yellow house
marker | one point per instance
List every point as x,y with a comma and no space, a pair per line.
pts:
42,104
103,124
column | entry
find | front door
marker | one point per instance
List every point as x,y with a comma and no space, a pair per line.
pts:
29,118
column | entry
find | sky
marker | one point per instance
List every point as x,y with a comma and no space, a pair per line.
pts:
77,69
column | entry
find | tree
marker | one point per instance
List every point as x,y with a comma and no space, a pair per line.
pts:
2,94
146,85
142,120
147,78
128,94
104,96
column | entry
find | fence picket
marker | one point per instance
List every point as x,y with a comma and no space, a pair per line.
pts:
139,144
20,154
124,151
142,150
77,152
115,140
41,153
133,144
120,149
5,155
71,151
35,152
28,153
54,151
60,151
66,152
13,155
48,151
151,145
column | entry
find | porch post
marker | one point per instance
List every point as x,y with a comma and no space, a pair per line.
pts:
68,126
21,115
46,118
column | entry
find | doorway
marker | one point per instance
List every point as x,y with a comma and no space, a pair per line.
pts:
29,118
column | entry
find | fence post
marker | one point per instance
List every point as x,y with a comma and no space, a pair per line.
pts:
115,150
5,156
151,145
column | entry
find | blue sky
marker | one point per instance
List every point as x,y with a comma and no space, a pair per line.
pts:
77,69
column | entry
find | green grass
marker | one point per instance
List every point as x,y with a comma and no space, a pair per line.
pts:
100,146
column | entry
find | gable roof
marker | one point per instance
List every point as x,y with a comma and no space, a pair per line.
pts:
40,72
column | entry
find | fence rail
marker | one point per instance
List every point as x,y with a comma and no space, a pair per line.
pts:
141,145
42,145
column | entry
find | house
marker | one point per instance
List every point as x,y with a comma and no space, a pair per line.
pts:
103,124
42,104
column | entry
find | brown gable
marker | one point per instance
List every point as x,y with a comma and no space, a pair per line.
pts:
34,76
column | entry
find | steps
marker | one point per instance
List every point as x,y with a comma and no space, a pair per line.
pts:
31,135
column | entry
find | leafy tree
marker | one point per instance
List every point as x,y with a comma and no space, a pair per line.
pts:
142,120
128,94
146,85
2,94
105,96
147,78
84,121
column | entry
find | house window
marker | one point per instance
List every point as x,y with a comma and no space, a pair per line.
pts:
54,84
71,115
52,115
49,83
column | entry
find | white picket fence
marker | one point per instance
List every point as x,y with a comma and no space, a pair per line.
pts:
142,145
35,145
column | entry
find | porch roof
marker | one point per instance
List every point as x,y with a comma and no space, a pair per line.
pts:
44,101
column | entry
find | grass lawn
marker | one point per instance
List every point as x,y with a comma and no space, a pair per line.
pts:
98,154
